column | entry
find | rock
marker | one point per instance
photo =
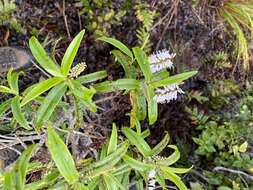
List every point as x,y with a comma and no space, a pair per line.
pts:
14,57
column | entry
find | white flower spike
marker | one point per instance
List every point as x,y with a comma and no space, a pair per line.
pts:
78,69
168,93
161,60
151,180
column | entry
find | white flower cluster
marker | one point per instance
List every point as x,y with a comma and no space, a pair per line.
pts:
161,60
168,93
151,180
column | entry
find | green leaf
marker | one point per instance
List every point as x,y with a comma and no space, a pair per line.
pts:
81,91
243,147
126,63
118,45
178,170
141,105
45,61
111,159
110,183
137,165
112,146
70,53
5,89
172,158
163,74
176,79
142,60
12,78
49,104
62,157
83,94
5,106
174,178
47,180
20,168
92,77
137,141
161,180
80,186
152,106
140,185
8,181
93,183
17,113
89,105
159,147
40,88
120,84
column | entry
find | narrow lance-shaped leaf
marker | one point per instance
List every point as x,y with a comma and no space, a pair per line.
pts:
178,170
5,89
173,158
17,113
8,181
110,182
120,84
40,88
174,178
43,59
80,186
161,180
137,165
5,106
141,105
20,168
70,53
12,78
126,63
112,146
160,146
49,104
137,141
176,79
62,157
112,159
118,45
92,77
81,91
47,180
152,105
141,58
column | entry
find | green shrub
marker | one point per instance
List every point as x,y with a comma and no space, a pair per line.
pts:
7,8
120,160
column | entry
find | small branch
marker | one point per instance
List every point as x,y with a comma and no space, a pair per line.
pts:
238,172
65,19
